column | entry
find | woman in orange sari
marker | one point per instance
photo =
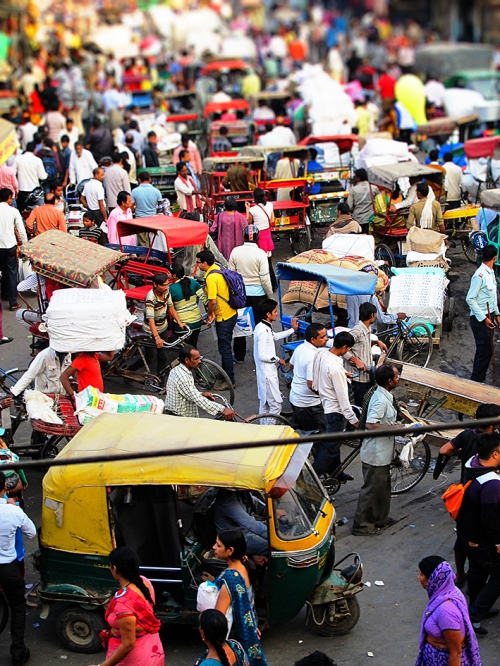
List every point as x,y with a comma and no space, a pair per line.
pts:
133,638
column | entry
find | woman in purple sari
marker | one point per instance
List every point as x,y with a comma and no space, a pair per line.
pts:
228,226
447,637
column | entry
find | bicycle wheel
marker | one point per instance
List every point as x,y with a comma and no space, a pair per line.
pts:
209,376
269,419
384,253
406,475
416,345
469,250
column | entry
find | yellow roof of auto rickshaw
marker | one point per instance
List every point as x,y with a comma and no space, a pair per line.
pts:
109,434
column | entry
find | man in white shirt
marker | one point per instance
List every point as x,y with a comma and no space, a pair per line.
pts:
93,194
30,171
45,370
263,112
81,164
115,180
13,518
280,136
306,404
252,264
26,130
453,182
71,131
330,381
11,229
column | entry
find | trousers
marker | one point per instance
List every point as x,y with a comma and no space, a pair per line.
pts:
8,266
240,344
157,357
374,501
483,579
13,585
224,331
482,357
309,418
328,458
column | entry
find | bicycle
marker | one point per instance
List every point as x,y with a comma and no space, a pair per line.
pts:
256,419
208,375
411,343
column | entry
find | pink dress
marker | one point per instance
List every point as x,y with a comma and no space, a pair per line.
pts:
148,650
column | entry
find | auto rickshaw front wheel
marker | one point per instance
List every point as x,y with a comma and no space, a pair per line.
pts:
328,618
78,629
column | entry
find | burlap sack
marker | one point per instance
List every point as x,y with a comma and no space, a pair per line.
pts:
435,263
305,291
424,241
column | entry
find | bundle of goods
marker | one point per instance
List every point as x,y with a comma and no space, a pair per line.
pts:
350,245
303,291
90,320
420,292
91,402
425,248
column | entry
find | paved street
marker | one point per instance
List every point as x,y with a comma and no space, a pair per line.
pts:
390,614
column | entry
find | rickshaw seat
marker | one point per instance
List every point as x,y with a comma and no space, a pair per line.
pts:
396,233
138,293
286,322
137,335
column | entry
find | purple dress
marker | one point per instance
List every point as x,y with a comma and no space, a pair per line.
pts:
446,610
229,228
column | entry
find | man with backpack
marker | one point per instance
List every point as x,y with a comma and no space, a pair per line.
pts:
478,525
30,172
220,305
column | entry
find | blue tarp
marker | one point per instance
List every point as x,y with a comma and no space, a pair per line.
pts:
340,281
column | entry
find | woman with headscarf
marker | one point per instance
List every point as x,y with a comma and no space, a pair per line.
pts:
229,225
447,637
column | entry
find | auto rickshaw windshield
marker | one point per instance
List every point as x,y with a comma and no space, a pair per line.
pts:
302,505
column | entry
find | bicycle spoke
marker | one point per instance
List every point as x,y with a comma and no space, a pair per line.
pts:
406,474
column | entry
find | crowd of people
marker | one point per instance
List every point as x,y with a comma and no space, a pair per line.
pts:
77,125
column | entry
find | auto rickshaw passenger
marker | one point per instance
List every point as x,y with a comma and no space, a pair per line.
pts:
233,510
236,590
221,144
236,178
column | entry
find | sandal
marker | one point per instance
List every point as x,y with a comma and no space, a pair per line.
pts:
5,340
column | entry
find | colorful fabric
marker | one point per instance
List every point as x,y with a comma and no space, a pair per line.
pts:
244,620
241,658
148,650
188,311
88,371
229,228
443,596
379,220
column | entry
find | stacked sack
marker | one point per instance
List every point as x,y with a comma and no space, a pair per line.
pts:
303,291
425,248
91,402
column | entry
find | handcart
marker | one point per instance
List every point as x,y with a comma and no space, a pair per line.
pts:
56,433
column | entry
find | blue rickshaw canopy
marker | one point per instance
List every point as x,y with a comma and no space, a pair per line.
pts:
340,281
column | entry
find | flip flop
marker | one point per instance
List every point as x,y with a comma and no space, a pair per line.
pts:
5,340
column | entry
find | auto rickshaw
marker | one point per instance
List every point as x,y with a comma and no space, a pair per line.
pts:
162,508
227,73
240,129
290,214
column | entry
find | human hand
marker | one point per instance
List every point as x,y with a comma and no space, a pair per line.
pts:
401,315
392,208
358,363
210,319
159,342
11,500
183,325
228,414
355,425
382,345
6,402
489,323
208,395
295,323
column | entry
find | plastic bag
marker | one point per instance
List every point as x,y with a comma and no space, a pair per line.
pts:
206,598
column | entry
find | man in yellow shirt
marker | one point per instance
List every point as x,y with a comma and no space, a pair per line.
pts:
419,210
219,309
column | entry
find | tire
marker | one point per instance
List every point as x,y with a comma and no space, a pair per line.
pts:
403,477
269,419
416,349
469,250
337,628
208,376
450,315
302,240
4,611
78,629
384,253
302,313
49,451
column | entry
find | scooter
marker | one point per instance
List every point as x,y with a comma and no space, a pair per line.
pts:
35,199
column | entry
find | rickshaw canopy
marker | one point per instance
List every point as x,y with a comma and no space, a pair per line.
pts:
491,199
177,231
108,434
233,105
344,142
69,260
388,175
212,163
339,281
223,66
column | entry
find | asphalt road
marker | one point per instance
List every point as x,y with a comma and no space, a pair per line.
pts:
390,614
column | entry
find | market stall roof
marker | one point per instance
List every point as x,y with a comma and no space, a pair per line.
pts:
110,434
340,281
8,140
177,231
491,199
388,174
72,261
344,142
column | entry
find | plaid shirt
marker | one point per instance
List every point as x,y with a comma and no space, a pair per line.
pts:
8,179
183,398
221,145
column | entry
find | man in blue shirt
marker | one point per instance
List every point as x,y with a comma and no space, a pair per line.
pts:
484,314
146,198
313,166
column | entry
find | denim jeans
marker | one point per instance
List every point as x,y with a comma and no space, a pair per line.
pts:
328,458
224,331
482,357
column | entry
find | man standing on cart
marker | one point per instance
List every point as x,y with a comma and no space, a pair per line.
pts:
484,313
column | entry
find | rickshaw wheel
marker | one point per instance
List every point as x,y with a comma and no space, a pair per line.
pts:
268,419
78,629
469,250
304,314
327,628
301,241
4,611
416,347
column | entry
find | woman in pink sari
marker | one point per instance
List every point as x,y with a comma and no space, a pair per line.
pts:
133,638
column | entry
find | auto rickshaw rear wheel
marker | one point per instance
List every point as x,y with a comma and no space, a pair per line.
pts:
321,617
78,629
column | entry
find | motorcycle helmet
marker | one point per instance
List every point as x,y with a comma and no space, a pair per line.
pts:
251,233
